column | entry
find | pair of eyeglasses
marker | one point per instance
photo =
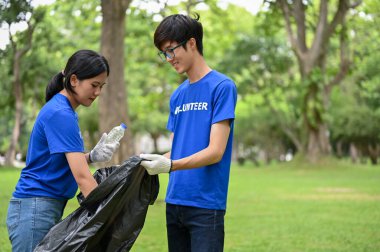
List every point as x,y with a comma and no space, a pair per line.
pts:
169,52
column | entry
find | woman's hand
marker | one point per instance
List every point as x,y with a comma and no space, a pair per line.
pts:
103,152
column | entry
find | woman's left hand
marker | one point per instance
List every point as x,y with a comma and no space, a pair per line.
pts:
103,151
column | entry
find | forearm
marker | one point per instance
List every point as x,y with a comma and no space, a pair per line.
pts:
81,172
212,154
202,158
86,184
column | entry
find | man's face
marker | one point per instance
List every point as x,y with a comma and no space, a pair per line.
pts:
177,55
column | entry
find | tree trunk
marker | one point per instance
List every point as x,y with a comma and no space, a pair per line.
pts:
373,153
339,149
354,153
18,53
113,101
155,142
318,144
17,92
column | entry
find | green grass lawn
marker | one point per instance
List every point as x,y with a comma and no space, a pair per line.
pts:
279,208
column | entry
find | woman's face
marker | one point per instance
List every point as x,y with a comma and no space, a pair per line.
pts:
87,90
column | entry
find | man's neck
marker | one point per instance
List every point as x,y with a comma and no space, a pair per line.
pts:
198,70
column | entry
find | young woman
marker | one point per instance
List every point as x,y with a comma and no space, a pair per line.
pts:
56,163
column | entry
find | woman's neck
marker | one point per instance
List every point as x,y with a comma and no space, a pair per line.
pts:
71,99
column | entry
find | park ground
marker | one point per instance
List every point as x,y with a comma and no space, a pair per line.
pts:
287,207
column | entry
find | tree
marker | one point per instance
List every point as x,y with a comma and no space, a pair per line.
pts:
21,43
355,113
312,61
113,101
263,67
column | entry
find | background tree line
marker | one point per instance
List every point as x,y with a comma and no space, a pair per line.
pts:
306,72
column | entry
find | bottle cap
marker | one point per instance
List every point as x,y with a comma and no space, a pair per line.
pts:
123,125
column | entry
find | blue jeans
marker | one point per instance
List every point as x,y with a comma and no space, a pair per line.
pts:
29,220
194,229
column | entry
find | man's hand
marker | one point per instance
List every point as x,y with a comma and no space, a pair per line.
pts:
103,152
155,164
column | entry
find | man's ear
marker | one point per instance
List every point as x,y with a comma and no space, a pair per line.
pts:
73,80
193,43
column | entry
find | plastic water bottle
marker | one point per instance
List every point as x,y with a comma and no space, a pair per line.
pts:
116,133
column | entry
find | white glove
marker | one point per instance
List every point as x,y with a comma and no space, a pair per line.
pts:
103,152
155,164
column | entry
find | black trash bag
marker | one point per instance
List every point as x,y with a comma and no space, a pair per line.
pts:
111,217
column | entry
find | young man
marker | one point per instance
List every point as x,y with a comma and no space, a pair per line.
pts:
202,112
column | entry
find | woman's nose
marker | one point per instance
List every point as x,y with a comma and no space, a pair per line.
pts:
98,90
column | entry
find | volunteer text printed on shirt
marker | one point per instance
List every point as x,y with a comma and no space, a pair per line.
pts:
191,106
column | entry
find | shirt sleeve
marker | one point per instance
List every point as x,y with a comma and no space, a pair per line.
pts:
63,134
224,101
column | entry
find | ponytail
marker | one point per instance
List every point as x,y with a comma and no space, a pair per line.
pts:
54,87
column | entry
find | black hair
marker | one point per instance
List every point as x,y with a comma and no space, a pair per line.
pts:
179,28
85,64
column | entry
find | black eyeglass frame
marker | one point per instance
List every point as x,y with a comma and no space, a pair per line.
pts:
164,54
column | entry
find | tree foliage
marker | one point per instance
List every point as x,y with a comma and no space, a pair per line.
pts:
274,113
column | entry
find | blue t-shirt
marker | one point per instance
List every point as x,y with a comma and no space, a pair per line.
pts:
193,109
47,172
